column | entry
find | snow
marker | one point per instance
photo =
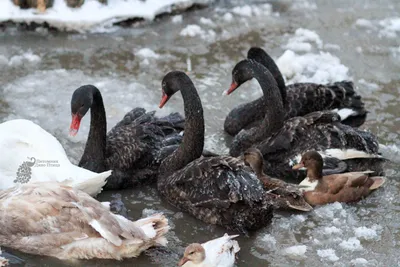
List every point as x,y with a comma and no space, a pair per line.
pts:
296,251
243,10
228,17
359,262
390,27
18,60
365,233
327,254
147,53
177,19
92,14
192,30
300,41
364,23
352,244
207,21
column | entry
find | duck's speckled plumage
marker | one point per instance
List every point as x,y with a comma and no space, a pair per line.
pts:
217,190
299,99
281,141
51,219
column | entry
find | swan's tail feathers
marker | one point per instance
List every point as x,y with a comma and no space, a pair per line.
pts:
378,182
94,185
351,106
155,227
172,123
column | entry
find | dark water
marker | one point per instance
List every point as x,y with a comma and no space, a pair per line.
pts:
40,70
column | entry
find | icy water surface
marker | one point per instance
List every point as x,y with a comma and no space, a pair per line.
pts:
311,40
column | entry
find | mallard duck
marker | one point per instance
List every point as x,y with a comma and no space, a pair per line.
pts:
51,219
344,187
298,99
287,196
219,252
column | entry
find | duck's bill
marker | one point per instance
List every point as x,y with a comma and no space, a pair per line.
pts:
164,100
233,87
298,166
183,261
76,122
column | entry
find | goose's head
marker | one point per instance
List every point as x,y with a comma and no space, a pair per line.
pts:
194,253
241,73
81,102
171,84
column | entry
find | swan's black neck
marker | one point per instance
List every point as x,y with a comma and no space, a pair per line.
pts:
192,144
274,111
264,59
93,157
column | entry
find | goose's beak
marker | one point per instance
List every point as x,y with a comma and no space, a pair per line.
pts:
164,100
298,166
183,261
233,87
76,121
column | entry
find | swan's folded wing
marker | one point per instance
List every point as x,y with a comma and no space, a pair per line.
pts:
215,181
36,209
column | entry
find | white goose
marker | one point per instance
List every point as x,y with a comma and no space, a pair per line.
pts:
37,156
219,252
51,219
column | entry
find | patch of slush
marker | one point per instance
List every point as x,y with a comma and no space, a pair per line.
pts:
388,27
147,53
93,14
328,254
302,39
193,30
296,251
19,60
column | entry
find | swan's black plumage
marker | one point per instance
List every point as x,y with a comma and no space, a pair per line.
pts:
133,148
280,140
217,190
299,99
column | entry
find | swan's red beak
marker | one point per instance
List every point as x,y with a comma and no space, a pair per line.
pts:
298,166
233,87
183,261
76,121
164,100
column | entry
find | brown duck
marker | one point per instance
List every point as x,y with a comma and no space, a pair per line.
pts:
286,196
345,187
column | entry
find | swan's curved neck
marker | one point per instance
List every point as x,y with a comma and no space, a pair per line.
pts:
275,114
93,157
192,144
265,60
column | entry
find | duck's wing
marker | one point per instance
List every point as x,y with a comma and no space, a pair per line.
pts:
221,251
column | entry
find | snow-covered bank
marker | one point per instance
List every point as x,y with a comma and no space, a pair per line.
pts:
93,15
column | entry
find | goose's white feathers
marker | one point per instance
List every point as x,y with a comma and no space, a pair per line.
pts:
24,142
48,218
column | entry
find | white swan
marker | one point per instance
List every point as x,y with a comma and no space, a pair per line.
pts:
48,218
37,156
219,252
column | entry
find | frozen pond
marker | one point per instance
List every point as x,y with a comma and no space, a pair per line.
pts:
311,40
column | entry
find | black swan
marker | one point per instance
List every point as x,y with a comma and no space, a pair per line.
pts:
299,99
133,149
283,141
217,190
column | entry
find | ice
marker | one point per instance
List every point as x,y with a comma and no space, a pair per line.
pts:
328,254
92,15
332,230
364,23
147,53
267,241
300,41
351,244
207,22
243,10
365,233
18,60
359,262
192,30
390,27
228,17
296,251
177,19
